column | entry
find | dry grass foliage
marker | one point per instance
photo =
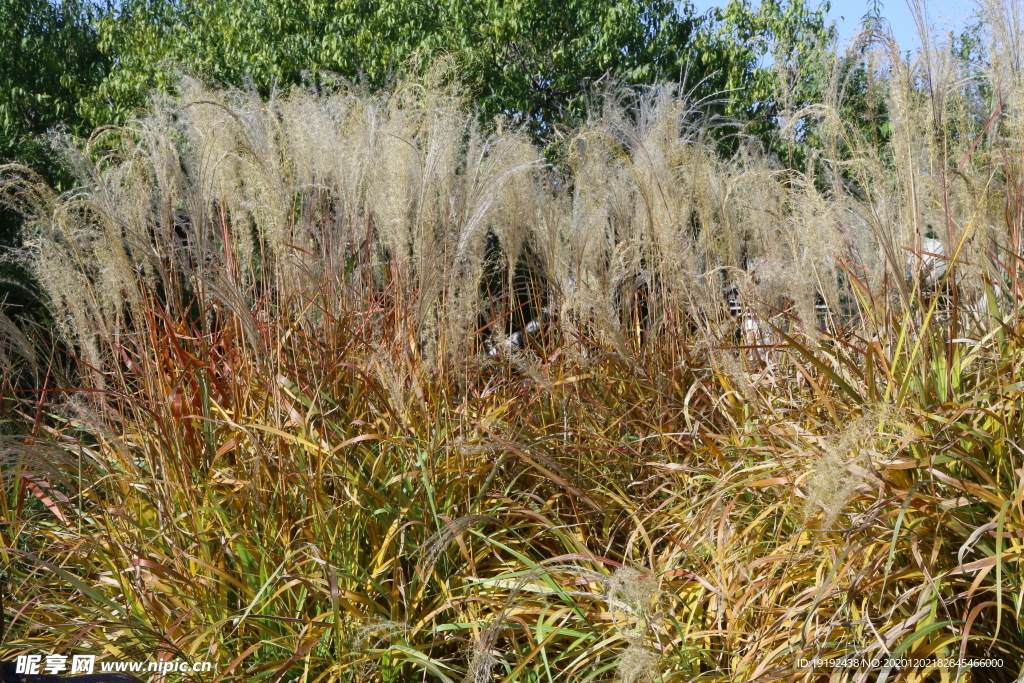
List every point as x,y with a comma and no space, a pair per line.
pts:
289,451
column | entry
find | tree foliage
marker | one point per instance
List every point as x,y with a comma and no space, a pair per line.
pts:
50,62
530,59
80,64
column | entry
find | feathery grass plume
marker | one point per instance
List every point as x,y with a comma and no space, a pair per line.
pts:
220,187
483,658
484,654
13,341
637,663
833,482
638,595
370,634
438,543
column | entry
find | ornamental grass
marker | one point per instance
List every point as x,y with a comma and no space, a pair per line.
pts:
282,421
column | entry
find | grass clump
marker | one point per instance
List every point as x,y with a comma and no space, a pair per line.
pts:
740,435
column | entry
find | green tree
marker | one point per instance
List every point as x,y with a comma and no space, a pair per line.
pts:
535,59
50,62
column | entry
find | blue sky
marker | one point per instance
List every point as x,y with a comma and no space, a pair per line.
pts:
945,15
